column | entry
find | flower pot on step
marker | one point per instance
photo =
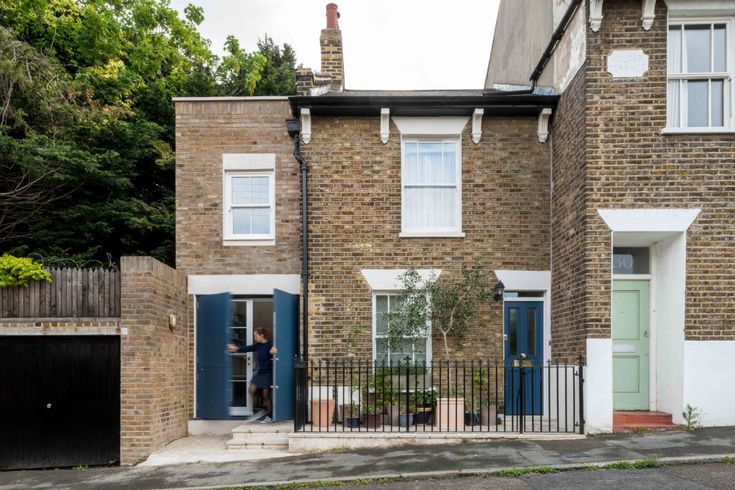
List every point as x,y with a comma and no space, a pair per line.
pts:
372,420
472,418
322,412
422,415
449,413
352,422
405,420
488,416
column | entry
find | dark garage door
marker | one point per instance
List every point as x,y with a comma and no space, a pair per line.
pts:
59,401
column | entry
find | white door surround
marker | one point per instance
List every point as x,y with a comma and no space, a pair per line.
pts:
663,231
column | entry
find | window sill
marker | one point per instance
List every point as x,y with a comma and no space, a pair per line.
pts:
239,242
429,234
698,131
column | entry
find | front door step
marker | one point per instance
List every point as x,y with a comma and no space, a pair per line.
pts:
632,421
256,435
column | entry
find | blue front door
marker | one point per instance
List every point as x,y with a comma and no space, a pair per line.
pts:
285,331
524,353
214,366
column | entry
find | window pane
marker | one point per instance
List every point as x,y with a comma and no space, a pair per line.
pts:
399,353
631,260
531,332
674,51
261,220
718,116
697,103
448,205
411,150
381,351
513,331
430,163
697,38
450,163
720,44
259,190
241,190
419,350
673,104
241,221
411,209
381,303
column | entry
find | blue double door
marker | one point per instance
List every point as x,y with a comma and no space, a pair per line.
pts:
524,354
214,370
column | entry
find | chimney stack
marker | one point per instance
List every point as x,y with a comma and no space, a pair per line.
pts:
331,50
331,78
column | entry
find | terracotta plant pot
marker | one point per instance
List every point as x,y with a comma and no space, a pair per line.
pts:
322,412
489,416
372,420
449,413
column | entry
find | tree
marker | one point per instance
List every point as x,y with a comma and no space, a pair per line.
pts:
87,121
450,303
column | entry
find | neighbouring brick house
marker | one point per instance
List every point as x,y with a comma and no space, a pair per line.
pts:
602,189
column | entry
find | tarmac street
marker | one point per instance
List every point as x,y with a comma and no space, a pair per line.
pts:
446,461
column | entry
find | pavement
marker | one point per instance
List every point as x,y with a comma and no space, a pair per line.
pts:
207,449
702,445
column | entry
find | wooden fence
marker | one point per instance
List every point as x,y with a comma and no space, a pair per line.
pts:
72,293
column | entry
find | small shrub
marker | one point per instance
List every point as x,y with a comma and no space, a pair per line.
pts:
692,417
18,271
534,470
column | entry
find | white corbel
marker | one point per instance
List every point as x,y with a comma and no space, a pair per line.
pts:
543,125
649,14
477,125
306,126
384,125
595,15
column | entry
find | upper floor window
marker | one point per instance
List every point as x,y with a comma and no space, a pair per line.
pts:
249,205
700,74
431,188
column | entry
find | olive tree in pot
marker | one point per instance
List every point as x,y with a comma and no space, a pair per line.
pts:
425,402
449,304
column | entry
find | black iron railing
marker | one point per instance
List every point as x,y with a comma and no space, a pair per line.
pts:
519,396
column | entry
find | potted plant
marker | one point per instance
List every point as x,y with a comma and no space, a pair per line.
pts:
322,412
449,305
425,402
488,413
405,419
351,416
472,412
372,416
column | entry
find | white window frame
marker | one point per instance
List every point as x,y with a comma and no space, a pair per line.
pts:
728,76
375,327
455,231
229,175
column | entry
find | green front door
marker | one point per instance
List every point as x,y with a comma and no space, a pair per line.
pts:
630,323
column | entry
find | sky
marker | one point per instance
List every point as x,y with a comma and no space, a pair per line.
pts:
388,44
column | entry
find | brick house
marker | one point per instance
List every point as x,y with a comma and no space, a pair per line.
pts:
599,193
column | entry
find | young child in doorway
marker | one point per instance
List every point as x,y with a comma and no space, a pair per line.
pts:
263,378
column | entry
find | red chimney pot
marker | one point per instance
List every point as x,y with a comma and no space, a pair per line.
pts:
332,16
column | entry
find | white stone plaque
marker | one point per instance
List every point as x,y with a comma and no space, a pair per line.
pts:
629,63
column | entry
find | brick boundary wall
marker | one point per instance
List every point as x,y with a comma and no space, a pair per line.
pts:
154,377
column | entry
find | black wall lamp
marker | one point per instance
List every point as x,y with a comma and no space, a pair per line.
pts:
499,291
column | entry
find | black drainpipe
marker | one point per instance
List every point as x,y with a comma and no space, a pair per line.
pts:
294,131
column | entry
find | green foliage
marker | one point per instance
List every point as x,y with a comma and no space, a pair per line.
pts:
18,271
87,120
632,465
426,398
533,470
692,417
450,303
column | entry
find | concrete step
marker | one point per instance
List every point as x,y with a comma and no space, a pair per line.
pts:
265,436
632,421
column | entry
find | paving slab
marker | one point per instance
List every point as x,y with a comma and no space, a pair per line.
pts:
423,461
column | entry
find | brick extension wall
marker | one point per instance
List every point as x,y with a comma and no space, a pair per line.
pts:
155,381
355,221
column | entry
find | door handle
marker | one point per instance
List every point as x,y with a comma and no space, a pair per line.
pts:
645,334
48,405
